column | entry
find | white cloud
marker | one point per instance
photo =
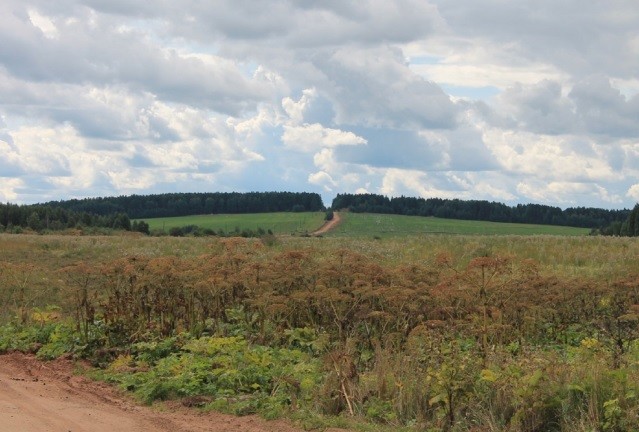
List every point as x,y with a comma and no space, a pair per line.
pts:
44,23
549,158
46,151
323,179
566,193
295,110
312,137
9,189
633,192
458,71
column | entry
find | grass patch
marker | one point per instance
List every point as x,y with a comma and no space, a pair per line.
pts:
278,223
381,225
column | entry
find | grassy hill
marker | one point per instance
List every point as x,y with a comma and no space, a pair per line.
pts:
358,225
381,225
278,223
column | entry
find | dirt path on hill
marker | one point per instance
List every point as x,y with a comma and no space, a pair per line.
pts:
329,225
40,396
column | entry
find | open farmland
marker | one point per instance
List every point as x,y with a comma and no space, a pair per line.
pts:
278,223
382,225
358,225
434,332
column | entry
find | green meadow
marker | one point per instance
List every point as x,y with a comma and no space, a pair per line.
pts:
358,225
278,223
381,225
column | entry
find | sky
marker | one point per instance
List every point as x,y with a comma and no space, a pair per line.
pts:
512,101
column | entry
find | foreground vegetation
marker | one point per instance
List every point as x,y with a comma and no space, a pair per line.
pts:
436,333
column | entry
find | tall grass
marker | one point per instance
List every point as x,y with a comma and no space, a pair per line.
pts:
432,332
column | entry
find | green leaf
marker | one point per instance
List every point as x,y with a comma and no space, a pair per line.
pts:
534,379
488,375
576,388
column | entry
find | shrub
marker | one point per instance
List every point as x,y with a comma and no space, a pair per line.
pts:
241,378
176,232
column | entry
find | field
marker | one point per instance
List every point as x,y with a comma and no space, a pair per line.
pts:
358,225
278,223
367,225
434,332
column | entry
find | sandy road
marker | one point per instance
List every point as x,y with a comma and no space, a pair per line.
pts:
46,397
329,225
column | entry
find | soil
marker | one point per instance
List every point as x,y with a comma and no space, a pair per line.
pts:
329,225
38,396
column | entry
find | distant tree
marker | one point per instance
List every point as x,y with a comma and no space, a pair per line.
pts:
183,204
329,215
33,221
479,210
121,221
176,232
140,226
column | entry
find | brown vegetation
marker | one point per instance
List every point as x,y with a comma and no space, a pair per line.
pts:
459,336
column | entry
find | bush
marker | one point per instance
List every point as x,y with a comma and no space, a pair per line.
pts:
176,232
140,226
249,378
48,341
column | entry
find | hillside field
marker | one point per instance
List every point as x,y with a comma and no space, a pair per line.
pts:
382,225
359,225
278,223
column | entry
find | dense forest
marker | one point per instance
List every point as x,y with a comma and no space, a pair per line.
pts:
38,217
480,210
629,227
187,204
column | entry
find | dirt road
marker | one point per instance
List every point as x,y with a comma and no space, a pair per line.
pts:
331,224
46,397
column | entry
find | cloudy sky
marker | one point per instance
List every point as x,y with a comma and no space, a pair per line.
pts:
512,101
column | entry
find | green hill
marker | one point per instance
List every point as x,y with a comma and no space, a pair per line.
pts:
382,225
278,223
358,225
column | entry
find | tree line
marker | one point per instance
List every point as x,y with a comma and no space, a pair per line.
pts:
39,217
187,204
627,228
586,217
117,212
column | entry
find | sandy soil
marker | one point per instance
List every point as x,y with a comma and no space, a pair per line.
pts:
47,397
331,224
